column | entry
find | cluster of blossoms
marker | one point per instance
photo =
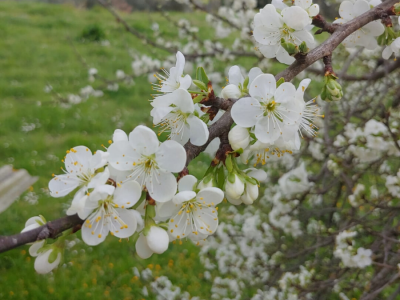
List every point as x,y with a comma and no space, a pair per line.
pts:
282,31
351,257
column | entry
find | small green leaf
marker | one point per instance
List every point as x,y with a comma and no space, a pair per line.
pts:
200,84
202,76
198,98
246,83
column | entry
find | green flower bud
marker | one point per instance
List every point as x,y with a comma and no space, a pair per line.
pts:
397,8
332,91
303,48
292,49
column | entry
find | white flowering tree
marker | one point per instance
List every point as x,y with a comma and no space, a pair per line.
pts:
311,178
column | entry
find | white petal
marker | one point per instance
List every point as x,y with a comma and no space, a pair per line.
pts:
263,87
246,111
210,195
198,131
183,197
234,201
231,91
302,87
99,160
296,17
129,218
142,249
283,57
144,140
266,131
270,17
33,223
42,265
185,82
33,250
99,179
346,10
269,51
180,63
120,135
97,233
254,72
78,160
163,100
187,183
159,113
313,10
180,226
206,220
62,185
387,52
235,76
285,92
166,210
127,194
304,36
171,156
157,239
122,156
374,28
183,100
360,7
162,186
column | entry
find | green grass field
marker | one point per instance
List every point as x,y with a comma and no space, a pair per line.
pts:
35,50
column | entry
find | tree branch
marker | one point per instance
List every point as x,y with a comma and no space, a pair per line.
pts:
51,230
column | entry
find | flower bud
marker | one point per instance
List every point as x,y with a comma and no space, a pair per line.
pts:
303,48
205,184
289,47
47,261
332,90
397,8
231,91
250,193
239,137
234,187
157,239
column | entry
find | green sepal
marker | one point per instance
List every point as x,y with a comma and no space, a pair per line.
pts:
53,255
240,151
198,98
142,198
228,163
163,225
246,83
220,177
231,177
289,47
207,179
279,82
202,76
150,211
205,118
211,169
397,8
303,48
252,180
200,84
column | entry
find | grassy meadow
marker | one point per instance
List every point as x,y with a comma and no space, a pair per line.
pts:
35,132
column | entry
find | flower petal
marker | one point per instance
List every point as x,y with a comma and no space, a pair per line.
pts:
161,185
198,131
144,140
122,156
127,194
171,156
210,196
246,111
142,249
42,265
183,197
253,73
285,93
267,131
296,17
78,159
263,87
186,183
235,76
62,185
129,218
33,250
119,135
157,239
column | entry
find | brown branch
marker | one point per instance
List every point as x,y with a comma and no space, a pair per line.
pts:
51,230
319,21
